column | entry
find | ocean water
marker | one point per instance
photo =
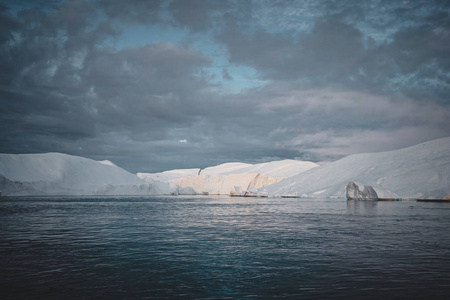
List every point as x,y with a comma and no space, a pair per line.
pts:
220,248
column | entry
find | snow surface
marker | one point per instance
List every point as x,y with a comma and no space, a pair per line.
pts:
277,169
226,168
229,177
107,162
61,174
225,184
167,176
421,171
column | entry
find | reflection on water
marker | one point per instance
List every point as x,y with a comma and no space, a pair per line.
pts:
361,206
219,247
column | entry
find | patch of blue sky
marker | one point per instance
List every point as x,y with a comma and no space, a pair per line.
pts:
243,77
240,76
141,35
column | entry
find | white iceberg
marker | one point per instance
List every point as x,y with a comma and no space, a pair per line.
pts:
62,174
421,171
232,178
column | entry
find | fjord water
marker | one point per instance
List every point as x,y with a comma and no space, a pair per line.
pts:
221,247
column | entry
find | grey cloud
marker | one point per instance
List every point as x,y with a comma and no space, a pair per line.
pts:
331,51
7,24
64,91
225,74
337,54
334,90
418,46
331,123
154,81
132,11
196,14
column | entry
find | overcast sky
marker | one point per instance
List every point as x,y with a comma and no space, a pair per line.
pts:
158,85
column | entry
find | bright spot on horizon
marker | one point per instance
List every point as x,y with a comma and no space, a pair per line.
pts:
183,141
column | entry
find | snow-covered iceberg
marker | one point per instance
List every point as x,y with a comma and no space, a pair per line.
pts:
232,178
420,171
62,174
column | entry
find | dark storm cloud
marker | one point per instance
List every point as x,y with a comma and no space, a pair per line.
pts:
141,85
7,23
336,53
132,11
368,94
62,89
341,77
197,15
332,51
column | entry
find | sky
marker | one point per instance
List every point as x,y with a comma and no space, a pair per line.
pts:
158,85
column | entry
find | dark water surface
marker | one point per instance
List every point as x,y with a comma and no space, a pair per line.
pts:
221,247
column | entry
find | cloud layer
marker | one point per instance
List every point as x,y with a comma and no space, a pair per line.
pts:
339,78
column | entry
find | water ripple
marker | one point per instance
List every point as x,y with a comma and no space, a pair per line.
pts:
220,247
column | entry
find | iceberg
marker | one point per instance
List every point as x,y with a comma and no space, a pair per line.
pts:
62,174
232,178
420,171
354,193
